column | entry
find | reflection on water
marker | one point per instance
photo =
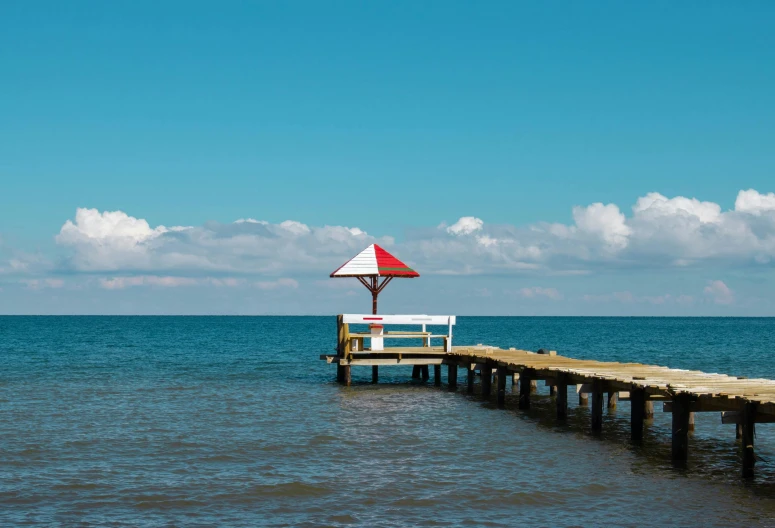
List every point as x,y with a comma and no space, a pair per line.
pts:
155,421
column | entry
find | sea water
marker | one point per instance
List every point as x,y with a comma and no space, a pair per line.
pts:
234,421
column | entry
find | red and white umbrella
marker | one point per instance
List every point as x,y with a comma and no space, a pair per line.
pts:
371,264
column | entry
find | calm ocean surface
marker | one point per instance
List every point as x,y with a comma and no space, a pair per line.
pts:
234,421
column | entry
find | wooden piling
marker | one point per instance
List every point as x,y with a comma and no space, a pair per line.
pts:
347,376
691,421
501,386
749,431
374,373
452,376
425,373
648,410
583,399
597,405
341,346
486,381
739,431
562,397
437,375
613,397
638,413
514,379
416,372
525,383
471,379
533,385
681,410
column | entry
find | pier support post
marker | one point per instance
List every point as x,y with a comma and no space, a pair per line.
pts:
501,385
562,397
339,373
347,376
533,385
638,410
613,397
452,376
425,373
681,405
583,399
416,372
374,373
738,431
691,421
648,410
525,383
437,375
749,430
597,405
486,381
514,379
471,379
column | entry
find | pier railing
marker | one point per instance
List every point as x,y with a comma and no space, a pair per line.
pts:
351,343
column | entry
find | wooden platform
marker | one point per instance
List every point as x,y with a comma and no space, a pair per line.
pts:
725,393
743,401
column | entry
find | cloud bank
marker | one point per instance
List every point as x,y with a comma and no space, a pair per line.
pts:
660,232
99,242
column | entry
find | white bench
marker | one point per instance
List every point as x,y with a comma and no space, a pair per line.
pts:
377,332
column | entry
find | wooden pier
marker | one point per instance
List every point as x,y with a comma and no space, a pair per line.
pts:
741,401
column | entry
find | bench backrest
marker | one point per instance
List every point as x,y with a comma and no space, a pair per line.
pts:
445,320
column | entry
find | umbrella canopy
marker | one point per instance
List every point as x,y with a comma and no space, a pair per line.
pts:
374,262
371,264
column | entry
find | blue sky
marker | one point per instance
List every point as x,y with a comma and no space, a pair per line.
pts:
398,118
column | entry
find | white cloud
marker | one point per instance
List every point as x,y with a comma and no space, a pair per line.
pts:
297,228
654,206
18,265
537,291
111,240
168,281
752,202
465,226
39,284
604,221
279,283
684,299
719,292
119,283
111,227
229,282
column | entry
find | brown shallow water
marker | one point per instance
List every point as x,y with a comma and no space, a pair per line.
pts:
218,421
